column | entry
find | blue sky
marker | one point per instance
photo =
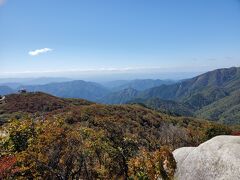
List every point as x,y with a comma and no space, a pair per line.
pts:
59,37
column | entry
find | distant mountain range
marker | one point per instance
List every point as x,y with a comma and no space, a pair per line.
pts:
72,89
83,89
119,97
205,88
214,95
138,84
16,82
5,90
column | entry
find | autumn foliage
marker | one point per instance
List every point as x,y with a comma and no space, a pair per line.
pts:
80,140
152,165
7,166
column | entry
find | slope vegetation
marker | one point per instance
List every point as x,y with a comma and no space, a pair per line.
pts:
54,138
165,106
213,95
226,110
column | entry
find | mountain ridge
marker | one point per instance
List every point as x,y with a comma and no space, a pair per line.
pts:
72,89
208,90
203,94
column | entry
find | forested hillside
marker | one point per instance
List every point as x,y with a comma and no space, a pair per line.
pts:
226,110
165,106
213,95
119,97
214,84
43,136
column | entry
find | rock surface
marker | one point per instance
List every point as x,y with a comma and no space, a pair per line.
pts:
216,159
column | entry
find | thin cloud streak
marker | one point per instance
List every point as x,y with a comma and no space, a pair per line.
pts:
39,51
113,70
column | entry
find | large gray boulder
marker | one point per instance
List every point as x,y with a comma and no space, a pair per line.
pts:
216,159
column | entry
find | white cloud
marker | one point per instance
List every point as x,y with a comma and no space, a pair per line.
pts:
39,51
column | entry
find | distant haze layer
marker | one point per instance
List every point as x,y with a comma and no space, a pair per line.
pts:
107,75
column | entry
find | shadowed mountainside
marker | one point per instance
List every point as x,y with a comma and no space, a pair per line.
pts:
72,89
213,95
165,106
5,90
138,84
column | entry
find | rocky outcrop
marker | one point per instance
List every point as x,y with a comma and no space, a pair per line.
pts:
216,159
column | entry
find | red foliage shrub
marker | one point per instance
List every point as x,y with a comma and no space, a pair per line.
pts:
7,166
236,133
